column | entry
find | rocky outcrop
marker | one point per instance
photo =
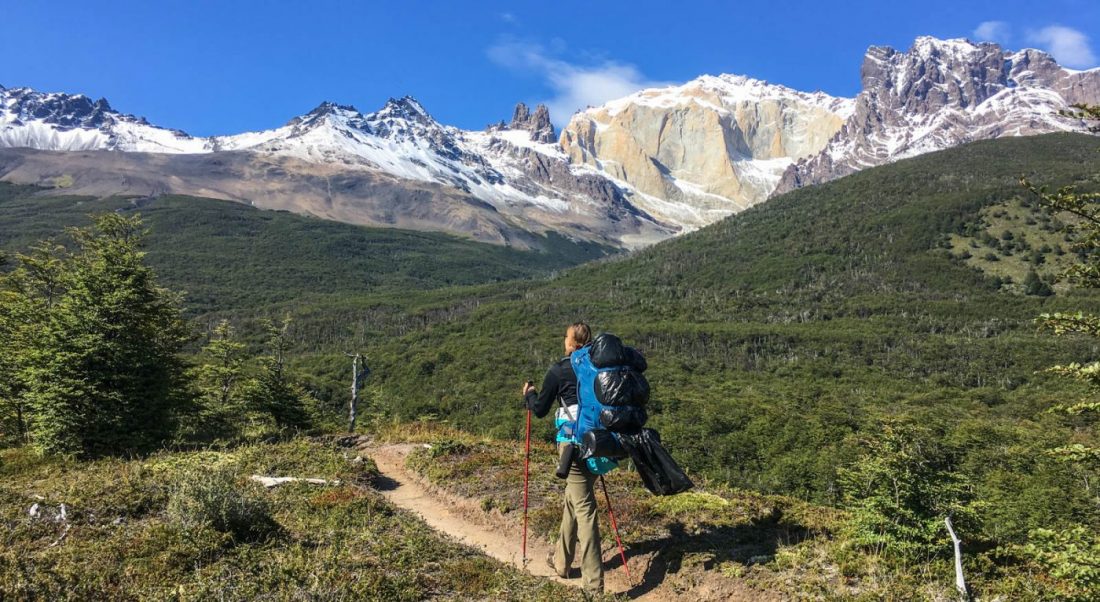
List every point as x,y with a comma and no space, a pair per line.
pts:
557,174
698,152
942,93
538,123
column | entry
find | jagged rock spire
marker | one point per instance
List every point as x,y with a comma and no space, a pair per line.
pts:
538,123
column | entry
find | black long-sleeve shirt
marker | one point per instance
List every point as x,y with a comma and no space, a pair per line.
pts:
559,383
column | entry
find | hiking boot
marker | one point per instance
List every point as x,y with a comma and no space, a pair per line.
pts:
553,567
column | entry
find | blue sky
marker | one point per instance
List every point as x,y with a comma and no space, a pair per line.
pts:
230,66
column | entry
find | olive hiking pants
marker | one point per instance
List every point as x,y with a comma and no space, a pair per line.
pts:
580,530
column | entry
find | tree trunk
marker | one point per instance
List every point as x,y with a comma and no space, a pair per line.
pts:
357,376
960,582
20,424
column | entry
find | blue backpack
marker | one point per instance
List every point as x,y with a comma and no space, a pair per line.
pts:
611,393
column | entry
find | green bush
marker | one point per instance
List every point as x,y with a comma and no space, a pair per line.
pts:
1072,556
95,364
211,497
899,493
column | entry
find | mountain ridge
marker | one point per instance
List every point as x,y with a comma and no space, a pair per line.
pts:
394,167
634,171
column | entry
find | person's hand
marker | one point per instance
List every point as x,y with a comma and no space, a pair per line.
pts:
527,388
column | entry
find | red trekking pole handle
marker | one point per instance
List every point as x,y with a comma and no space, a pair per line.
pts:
526,473
615,528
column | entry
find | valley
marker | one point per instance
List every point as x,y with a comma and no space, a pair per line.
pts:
283,361
781,340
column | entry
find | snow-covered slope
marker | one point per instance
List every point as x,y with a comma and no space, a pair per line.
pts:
510,171
74,122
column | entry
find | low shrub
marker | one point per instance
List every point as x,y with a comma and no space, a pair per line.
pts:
211,497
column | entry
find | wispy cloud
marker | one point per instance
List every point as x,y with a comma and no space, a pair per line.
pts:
575,86
509,18
993,31
1069,46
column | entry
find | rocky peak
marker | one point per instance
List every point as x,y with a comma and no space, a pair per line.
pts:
401,118
66,111
538,123
329,108
942,93
934,73
407,108
329,113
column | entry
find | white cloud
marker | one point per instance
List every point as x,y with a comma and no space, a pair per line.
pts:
508,18
575,86
993,31
1069,46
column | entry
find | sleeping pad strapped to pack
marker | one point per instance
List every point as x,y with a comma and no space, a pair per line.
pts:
612,392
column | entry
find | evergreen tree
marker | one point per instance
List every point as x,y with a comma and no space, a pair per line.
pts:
219,380
1034,285
13,415
100,343
274,391
27,295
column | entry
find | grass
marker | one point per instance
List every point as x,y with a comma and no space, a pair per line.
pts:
122,540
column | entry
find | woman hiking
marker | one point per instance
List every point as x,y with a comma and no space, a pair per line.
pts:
580,531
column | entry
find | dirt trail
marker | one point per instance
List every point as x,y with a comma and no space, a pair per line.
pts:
464,520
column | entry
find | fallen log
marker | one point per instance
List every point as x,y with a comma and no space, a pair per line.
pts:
270,482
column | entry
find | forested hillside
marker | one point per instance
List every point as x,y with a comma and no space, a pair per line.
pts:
227,256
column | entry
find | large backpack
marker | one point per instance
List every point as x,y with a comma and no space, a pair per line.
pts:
611,395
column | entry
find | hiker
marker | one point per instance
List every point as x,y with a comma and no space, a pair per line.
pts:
579,526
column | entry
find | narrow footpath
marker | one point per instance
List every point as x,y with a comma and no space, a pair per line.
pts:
463,519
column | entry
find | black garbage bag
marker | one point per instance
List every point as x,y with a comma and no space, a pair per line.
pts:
601,443
623,419
608,350
624,387
660,473
636,360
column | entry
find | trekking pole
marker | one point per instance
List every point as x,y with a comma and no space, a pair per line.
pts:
615,528
526,473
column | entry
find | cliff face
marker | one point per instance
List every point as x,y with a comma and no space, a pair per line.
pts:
716,145
700,151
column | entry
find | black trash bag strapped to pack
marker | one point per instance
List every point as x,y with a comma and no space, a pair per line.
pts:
622,387
608,351
659,472
623,419
619,378
602,443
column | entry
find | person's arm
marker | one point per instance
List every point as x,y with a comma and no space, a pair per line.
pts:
540,402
